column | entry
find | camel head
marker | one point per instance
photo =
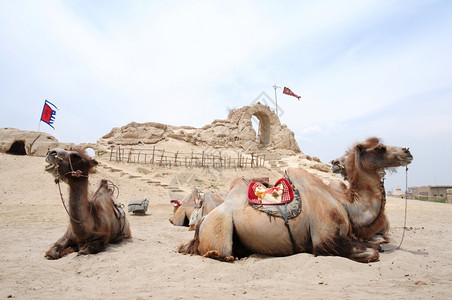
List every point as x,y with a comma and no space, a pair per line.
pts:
373,155
63,164
338,166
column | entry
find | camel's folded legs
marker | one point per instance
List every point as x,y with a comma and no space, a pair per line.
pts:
65,245
93,247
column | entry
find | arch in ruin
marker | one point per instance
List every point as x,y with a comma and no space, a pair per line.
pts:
264,129
267,119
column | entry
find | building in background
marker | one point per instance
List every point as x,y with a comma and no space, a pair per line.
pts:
431,192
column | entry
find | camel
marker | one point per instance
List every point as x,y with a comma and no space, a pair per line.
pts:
347,164
365,198
331,222
95,220
200,202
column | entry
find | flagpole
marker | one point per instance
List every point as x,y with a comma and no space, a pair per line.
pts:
276,98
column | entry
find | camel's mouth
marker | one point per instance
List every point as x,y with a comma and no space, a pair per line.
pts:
405,160
51,159
50,167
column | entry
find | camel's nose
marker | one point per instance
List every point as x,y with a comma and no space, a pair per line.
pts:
51,152
408,155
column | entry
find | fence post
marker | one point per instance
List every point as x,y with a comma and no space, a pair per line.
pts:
175,158
202,159
161,158
153,151
130,153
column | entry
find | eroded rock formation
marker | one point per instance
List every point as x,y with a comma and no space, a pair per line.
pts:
24,142
235,132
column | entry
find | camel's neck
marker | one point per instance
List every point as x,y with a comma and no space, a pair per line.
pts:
365,198
366,183
79,206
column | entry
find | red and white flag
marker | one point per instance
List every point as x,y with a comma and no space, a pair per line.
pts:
48,113
287,91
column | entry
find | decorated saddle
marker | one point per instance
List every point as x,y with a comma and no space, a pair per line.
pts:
281,193
281,200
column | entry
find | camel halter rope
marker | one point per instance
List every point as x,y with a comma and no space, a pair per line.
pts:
406,207
77,174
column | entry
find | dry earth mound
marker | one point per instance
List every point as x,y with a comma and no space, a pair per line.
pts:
235,132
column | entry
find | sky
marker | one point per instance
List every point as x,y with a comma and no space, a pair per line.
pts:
362,68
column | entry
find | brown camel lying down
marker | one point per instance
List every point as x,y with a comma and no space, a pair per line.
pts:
331,221
95,220
348,162
203,201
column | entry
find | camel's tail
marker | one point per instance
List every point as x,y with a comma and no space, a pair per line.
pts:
192,246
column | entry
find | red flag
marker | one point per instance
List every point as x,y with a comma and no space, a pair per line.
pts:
287,91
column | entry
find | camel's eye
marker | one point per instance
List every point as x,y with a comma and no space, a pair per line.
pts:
380,149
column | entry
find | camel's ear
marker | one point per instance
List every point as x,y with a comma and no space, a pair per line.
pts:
360,148
93,163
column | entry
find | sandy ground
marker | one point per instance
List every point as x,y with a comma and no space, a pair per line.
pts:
148,266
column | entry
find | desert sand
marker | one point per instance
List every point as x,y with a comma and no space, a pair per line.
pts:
148,266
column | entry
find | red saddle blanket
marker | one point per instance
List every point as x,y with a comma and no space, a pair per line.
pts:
281,193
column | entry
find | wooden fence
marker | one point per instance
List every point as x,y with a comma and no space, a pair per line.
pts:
206,159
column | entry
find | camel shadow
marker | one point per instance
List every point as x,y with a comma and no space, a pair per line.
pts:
115,247
386,249
140,214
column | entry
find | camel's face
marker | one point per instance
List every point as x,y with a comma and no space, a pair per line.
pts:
338,166
62,162
382,156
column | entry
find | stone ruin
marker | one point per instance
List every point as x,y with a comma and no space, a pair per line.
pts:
22,142
235,132
33,143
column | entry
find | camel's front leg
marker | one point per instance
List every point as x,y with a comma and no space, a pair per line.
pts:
65,245
215,235
381,237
